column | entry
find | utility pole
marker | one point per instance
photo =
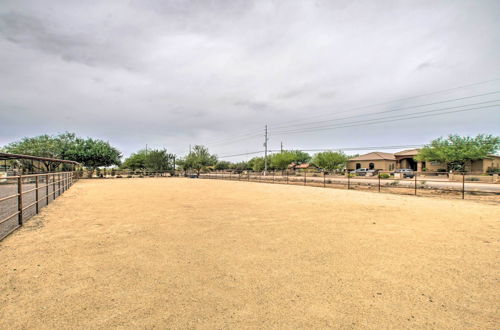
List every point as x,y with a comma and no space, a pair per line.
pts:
265,151
190,149
281,146
146,148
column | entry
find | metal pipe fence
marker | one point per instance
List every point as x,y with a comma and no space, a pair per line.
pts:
437,184
23,196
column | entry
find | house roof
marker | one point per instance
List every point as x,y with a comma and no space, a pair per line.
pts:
376,155
305,165
408,152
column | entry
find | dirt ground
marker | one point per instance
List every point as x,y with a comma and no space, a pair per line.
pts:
191,253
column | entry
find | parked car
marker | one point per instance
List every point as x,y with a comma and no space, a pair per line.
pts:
406,172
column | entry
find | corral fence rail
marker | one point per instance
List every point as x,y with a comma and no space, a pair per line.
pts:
23,196
454,185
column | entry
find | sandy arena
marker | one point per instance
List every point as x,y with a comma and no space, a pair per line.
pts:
189,253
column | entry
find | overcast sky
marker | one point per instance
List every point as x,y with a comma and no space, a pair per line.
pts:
173,73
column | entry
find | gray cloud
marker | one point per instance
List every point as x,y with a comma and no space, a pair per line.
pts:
174,73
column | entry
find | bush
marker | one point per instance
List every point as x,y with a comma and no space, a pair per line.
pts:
118,176
493,170
328,181
472,179
385,176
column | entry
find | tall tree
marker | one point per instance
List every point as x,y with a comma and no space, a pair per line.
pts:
199,159
48,146
136,161
157,160
93,153
456,151
222,165
330,160
280,161
256,164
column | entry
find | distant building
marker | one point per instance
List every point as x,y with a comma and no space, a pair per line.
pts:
303,167
382,161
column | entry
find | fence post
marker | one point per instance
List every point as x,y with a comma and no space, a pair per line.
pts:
324,179
53,186
415,183
286,176
36,193
20,199
47,188
59,184
305,177
378,182
273,176
463,185
348,181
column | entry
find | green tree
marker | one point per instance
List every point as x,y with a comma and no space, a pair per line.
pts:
199,159
240,166
256,164
136,161
456,151
222,165
93,153
330,160
158,160
280,161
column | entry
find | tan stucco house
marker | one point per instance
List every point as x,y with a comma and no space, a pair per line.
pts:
382,161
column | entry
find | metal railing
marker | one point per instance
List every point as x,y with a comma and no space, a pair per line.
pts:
435,184
22,196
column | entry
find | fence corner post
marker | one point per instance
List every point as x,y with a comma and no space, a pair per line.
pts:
415,183
20,199
37,209
463,185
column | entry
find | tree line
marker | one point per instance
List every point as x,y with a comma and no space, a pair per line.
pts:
454,151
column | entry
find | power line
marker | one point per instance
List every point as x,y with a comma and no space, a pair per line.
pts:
240,135
392,110
243,154
328,149
405,98
371,122
249,134
234,140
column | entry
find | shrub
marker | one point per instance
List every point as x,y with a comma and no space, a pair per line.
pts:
385,176
472,179
118,176
493,170
328,181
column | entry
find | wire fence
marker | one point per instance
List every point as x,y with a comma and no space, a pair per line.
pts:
437,184
23,196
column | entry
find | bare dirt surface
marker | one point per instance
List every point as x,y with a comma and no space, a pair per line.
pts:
190,253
